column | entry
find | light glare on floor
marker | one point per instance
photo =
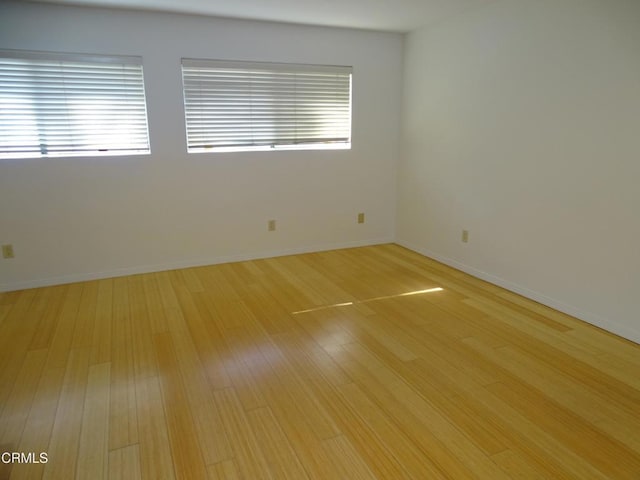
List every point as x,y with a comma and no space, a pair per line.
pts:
406,294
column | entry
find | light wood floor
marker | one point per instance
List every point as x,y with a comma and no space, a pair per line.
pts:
335,365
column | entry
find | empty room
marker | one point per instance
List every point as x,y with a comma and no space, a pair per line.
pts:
318,240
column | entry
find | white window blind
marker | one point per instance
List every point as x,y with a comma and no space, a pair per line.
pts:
62,105
246,105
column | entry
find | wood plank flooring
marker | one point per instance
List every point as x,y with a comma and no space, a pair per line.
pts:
365,363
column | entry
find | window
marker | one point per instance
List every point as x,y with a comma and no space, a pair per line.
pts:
63,105
232,106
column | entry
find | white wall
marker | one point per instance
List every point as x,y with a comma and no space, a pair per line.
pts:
78,218
521,123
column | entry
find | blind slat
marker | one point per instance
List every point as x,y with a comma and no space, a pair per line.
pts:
69,105
238,104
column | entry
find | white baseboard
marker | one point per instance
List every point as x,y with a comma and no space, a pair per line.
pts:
604,323
120,272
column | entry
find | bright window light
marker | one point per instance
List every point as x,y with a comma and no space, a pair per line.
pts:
70,105
248,106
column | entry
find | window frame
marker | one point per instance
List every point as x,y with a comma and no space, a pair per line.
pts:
251,69
82,126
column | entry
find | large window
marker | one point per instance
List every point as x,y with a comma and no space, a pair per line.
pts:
233,106
63,105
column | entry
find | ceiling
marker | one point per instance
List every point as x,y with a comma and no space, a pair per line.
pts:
385,15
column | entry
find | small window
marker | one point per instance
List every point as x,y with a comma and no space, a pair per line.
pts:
235,106
69,105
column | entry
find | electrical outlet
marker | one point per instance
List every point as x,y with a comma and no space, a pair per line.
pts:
361,218
465,236
271,225
7,251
